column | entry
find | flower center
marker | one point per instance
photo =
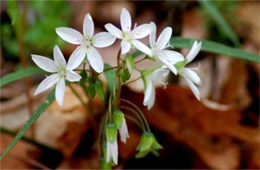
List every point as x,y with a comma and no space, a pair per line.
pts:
126,36
62,72
87,42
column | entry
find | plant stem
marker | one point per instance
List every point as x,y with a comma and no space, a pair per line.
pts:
139,111
117,100
137,115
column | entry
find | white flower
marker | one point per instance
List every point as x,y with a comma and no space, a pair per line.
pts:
130,37
167,57
123,132
87,42
112,152
188,74
157,77
60,71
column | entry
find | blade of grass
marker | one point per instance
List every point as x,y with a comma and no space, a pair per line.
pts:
22,73
33,118
213,47
212,12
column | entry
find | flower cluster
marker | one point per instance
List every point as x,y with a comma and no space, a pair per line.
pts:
88,43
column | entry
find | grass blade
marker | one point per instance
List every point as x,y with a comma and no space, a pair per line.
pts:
213,47
212,11
22,73
27,125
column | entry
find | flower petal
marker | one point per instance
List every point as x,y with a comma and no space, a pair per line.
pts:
76,58
164,38
193,88
191,75
171,56
108,156
95,60
194,51
103,39
125,47
149,96
115,152
159,76
44,63
60,91
125,20
123,132
168,64
88,26
58,56
152,34
113,30
70,35
72,76
141,31
143,48
47,83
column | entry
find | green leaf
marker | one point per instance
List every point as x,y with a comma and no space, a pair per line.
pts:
209,46
33,118
125,75
19,75
110,77
99,89
213,12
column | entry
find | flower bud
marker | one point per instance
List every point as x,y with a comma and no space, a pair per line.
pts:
111,132
118,117
148,143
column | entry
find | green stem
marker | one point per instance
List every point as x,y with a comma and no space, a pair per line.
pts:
135,121
137,115
139,111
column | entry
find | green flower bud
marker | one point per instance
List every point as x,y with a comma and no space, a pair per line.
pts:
111,132
146,142
118,117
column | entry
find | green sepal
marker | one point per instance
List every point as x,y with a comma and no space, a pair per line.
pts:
111,132
99,89
125,75
180,65
146,141
142,154
118,118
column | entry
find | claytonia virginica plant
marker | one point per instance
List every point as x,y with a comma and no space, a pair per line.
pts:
119,110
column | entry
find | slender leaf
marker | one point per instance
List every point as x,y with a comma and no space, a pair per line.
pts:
209,46
213,12
33,118
20,74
